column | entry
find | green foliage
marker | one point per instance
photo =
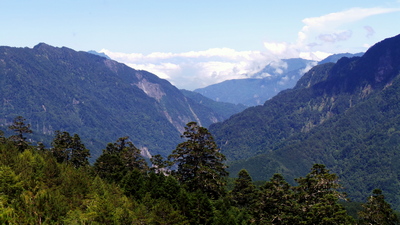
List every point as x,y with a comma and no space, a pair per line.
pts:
377,211
20,128
200,164
343,115
318,198
118,159
244,192
69,149
224,109
37,189
98,98
276,203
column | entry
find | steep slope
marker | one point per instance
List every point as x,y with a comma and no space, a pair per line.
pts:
344,115
276,76
223,109
100,99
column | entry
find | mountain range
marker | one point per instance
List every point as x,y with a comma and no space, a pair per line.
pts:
344,115
95,97
277,76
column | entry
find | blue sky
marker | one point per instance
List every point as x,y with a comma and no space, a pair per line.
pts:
197,43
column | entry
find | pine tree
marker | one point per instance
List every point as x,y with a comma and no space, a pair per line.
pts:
276,203
318,197
199,161
69,149
20,128
118,159
377,210
244,192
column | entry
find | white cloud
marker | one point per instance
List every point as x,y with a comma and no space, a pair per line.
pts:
191,70
317,39
308,67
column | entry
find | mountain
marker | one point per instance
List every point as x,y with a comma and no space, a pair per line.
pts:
99,54
344,115
221,108
335,57
95,97
276,76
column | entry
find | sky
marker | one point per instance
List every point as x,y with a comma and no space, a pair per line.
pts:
194,44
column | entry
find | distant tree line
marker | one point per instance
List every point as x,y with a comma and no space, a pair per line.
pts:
57,185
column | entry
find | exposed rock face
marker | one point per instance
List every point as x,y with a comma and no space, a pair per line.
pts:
151,89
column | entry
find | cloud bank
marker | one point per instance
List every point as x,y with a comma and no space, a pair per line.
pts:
191,70
317,39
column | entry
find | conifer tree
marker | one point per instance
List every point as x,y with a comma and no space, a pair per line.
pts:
318,197
69,149
377,210
119,158
276,203
199,162
244,192
20,128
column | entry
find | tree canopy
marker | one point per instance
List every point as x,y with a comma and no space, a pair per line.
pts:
200,164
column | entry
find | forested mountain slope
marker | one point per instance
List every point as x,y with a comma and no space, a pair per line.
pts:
224,109
344,115
100,99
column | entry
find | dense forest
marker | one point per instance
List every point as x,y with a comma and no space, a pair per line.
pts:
57,185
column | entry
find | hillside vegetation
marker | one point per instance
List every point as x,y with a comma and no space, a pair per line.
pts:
57,185
102,100
342,115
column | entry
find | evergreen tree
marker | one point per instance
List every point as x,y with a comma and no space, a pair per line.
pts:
69,149
244,192
20,128
158,164
318,197
199,161
119,158
276,203
377,210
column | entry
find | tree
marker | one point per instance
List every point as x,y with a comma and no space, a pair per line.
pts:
377,210
244,192
318,197
118,159
69,149
20,128
159,164
199,162
276,203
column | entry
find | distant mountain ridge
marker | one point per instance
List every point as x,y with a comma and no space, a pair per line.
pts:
97,98
263,85
335,57
343,115
259,87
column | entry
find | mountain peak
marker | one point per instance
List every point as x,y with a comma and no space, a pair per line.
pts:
42,45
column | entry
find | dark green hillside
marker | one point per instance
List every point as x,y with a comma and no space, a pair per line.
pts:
261,127
61,89
221,108
343,115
